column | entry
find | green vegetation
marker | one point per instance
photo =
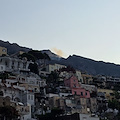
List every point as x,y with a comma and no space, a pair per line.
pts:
53,115
39,55
114,104
52,82
34,55
3,76
28,56
53,77
8,113
33,68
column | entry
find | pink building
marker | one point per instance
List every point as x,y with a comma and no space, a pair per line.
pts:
72,82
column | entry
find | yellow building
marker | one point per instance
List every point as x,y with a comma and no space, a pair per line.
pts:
3,51
109,94
87,79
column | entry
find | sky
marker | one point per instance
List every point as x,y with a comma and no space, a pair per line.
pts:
88,28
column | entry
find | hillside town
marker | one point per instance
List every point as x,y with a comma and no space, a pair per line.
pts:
33,88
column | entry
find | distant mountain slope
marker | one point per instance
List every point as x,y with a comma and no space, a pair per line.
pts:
13,48
92,66
78,62
51,55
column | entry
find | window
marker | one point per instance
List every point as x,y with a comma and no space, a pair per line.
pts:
5,90
86,93
6,63
18,64
12,65
37,82
28,97
12,62
81,93
75,92
3,50
31,97
1,93
24,65
35,89
74,85
78,102
1,67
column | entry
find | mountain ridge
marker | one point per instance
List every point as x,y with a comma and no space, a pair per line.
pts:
89,65
92,66
13,47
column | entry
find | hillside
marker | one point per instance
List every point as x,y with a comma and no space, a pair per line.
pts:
13,47
52,55
92,66
78,62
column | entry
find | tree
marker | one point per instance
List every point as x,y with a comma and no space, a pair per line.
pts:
52,81
3,76
53,77
28,56
117,95
114,104
57,112
37,54
46,56
33,68
8,112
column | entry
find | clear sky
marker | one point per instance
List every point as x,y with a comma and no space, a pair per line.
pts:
89,28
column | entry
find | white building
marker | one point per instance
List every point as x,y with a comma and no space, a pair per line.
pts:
13,64
90,88
53,67
79,76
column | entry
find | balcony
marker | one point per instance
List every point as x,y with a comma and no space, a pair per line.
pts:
22,109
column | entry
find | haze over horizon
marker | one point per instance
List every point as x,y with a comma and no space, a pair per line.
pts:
86,28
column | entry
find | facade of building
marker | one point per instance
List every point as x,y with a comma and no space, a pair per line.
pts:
13,64
73,83
93,104
54,102
53,67
79,76
109,94
63,91
87,79
90,88
24,110
3,51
